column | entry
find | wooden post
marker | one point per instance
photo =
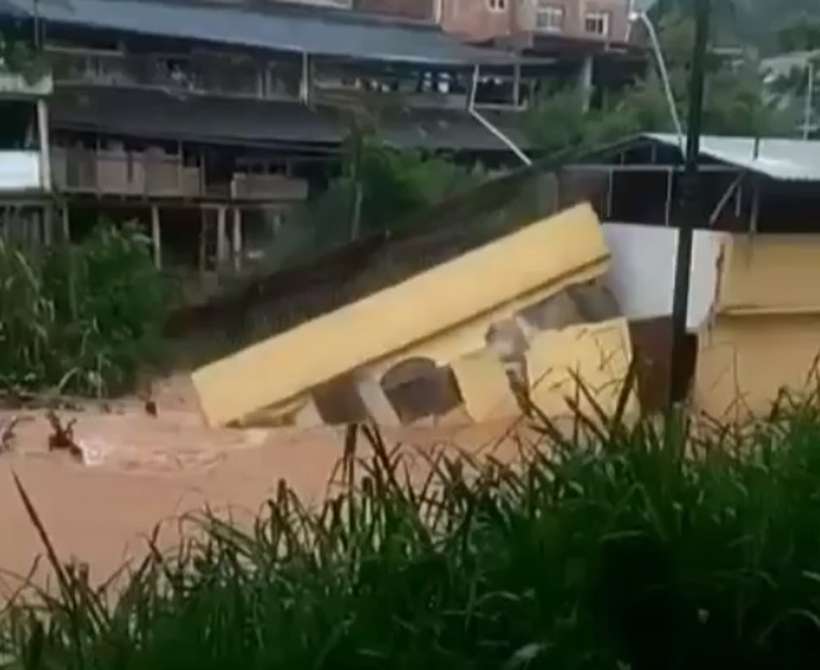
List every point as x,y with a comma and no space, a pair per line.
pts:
48,236
221,236
237,239
45,149
586,84
156,238
203,239
66,226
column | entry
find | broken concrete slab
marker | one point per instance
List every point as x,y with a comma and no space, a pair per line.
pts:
598,355
485,387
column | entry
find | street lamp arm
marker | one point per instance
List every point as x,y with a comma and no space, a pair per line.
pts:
661,63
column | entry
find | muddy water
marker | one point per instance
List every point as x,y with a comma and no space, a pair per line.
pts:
141,470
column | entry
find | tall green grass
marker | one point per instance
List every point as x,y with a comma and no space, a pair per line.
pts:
626,547
80,318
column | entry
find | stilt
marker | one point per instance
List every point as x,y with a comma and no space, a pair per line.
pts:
221,237
45,150
237,239
48,233
156,234
203,239
65,225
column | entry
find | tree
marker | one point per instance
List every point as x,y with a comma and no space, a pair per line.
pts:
734,103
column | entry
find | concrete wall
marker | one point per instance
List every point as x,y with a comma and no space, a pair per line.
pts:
475,19
642,276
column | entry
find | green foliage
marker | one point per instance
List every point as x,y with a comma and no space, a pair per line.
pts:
628,548
800,35
734,103
18,57
393,185
80,318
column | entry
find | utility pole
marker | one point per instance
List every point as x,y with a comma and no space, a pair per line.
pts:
691,207
809,117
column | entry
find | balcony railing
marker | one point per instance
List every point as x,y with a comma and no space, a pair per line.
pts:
14,84
153,173
195,74
20,171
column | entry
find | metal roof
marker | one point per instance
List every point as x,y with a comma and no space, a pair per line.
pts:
317,32
781,159
158,115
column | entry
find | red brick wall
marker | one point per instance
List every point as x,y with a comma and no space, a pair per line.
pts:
574,14
475,21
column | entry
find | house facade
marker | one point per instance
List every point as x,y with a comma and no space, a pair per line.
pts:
209,123
539,22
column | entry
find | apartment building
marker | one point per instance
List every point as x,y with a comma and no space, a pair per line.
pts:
207,123
25,174
539,23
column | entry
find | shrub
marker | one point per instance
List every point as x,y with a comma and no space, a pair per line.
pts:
80,318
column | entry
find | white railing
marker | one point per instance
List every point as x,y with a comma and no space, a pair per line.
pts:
20,171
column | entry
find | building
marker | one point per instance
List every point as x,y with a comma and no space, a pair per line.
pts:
753,313
589,40
208,122
25,172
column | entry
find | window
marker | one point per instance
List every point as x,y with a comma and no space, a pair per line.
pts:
497,5
597,23
549,18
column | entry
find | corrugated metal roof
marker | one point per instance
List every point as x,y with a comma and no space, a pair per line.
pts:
330,33
782,159
248,122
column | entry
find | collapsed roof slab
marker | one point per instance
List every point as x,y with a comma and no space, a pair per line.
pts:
540,259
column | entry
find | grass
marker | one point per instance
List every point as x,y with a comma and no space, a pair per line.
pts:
80,318
618,549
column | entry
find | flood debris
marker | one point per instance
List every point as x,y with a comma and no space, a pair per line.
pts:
62,437
7,432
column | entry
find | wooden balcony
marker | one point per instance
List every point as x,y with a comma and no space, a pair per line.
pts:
155,174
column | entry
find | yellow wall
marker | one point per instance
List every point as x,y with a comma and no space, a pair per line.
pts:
598,354
544,257
764,334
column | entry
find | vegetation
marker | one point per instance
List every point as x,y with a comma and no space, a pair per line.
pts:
377,189
18,57
82,318
628,548
734,104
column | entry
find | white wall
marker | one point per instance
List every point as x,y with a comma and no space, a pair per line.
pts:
20,170
642,275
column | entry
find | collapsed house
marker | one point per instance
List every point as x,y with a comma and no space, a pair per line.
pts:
527,310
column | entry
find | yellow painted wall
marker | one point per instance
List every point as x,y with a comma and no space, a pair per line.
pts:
599,354
764,334
770,273
550,253
484,386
